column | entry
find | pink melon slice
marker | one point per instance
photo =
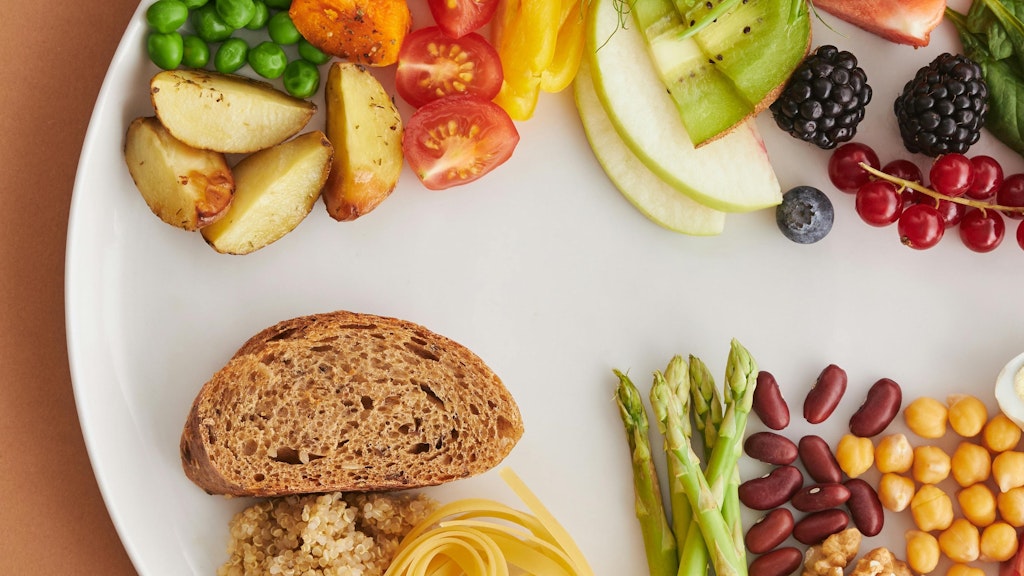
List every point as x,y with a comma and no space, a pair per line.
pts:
901,21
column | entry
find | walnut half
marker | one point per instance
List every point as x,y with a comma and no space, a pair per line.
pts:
880,562
831,557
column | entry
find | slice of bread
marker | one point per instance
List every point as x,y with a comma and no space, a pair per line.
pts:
345,401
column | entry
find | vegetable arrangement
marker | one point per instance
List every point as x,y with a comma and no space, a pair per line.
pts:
706,528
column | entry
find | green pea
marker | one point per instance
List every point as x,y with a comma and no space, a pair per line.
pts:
166,15
260,17
301,78
309,52
236,13
209,25
268,60
282,30
197,52
165,49
193,4
231,55
279,4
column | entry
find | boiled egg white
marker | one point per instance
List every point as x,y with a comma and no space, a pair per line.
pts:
1010,390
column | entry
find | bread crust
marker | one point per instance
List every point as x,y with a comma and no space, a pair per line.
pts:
345,401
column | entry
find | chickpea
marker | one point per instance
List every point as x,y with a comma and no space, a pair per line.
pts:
1011,506
964,570
971,464
931,464
1000,434
894,454
926,417
1008,470
922,551
895,491
855,455
931,508
967,414
998,542
961,541
977,504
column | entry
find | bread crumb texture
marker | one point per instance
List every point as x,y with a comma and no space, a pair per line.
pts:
347,402
332,534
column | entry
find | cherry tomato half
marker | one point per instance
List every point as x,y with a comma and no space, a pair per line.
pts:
457,139
431,65
460,17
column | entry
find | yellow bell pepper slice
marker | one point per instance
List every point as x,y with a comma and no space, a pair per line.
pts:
568,49
525,36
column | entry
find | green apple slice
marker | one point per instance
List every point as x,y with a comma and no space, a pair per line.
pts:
660,202
731,174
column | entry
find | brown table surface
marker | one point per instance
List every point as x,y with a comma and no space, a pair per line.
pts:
51,511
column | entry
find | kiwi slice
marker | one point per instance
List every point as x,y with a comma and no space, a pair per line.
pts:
735,66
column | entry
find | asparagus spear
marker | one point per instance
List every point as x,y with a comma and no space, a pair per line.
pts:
723,464
693,555
707,405
721,547
659,540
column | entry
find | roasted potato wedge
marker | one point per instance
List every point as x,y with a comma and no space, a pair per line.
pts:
275,189
366,32
224,112
365,128
185,186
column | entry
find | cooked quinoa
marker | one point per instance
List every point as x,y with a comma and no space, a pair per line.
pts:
322,534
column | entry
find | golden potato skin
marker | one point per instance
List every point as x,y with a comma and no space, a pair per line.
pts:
184,186
226,112
365,128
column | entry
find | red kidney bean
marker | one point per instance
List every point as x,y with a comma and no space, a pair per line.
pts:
865,507
817,497
825,395
780,562
771,490
880,406
769,405
771,530
771,448
815,527
818,460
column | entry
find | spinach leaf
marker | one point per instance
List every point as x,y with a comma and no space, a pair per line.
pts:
1005,118
1011,30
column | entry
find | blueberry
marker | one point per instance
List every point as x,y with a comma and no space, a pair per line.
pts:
805,215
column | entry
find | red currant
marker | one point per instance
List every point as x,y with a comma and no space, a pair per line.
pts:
879,202
951,174
982,230
1020,235
988,176
1011,193
844,166
904,169
951,212
920,226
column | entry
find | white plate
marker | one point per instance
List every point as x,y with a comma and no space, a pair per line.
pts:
544,271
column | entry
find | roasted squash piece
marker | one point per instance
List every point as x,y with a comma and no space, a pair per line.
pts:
368,32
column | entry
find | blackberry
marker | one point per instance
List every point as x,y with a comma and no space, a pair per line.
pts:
943,108
824,100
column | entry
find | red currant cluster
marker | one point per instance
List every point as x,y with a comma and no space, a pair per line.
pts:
969,193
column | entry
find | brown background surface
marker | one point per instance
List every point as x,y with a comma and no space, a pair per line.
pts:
54,59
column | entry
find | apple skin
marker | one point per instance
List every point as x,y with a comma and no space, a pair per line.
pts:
654,198
731,174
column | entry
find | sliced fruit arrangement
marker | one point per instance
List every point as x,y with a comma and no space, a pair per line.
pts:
904,22
623,75
649,194
724,73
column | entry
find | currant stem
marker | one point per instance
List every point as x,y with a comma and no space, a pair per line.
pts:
938,195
